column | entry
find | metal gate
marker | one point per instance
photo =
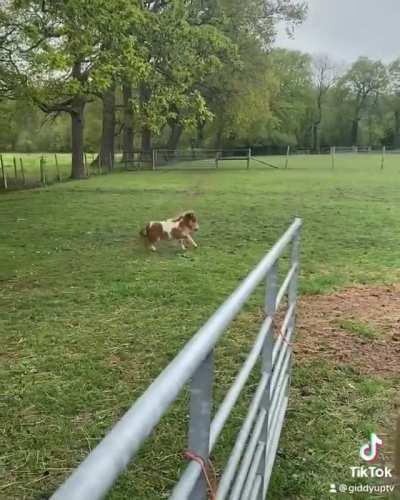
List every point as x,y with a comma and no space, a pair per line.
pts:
248,470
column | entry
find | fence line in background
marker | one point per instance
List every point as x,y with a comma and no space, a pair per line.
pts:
250,464
48,168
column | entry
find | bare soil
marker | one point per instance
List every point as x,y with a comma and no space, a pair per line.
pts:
321,333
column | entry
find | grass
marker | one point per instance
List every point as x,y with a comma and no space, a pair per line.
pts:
88,318
361,329
31,167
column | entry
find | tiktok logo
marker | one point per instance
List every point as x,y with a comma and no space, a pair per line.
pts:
370,452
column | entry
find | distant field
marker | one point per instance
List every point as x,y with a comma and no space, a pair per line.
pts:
31,165
88,318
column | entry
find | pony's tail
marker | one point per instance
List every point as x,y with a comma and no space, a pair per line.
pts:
143,232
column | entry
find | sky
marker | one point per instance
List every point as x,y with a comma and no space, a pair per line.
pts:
347,29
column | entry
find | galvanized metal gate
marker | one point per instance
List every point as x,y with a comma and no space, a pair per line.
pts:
248,470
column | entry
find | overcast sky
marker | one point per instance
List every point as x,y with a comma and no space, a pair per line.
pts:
347,29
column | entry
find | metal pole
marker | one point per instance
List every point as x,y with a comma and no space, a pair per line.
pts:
292,294
333,151
200,418
154,158
383,157
248,158
272,287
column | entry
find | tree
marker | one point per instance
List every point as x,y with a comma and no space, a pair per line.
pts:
362,84
183,51
128,114
62,53
324,77
394,98
240,94
292,99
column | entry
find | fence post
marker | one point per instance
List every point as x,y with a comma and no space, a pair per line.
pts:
4,174
333,153
292,295
15,168
287,156
153,159
383,157
200,419
22,171
86,165
43,176
248,158
266,366
57,168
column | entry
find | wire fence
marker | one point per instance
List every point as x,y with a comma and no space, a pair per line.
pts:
18,171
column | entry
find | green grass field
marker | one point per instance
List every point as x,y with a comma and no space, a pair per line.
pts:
88,317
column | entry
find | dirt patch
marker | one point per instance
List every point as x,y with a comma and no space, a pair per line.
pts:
333,327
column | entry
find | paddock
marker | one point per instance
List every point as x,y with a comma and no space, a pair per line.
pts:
105,317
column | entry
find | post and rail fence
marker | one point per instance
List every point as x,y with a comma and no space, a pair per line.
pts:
25,172
248,469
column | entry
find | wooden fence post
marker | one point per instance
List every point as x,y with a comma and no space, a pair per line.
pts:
42,171
86,164
4,174
287,156
15,168
57,168
22,171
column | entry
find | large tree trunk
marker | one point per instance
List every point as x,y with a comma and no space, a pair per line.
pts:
128,133
146,140
174,136
146,132
218,138
396,135
316,137
200,135
354,132
108,130
77,126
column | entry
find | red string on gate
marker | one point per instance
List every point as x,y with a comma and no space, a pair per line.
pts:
280,334
208,472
